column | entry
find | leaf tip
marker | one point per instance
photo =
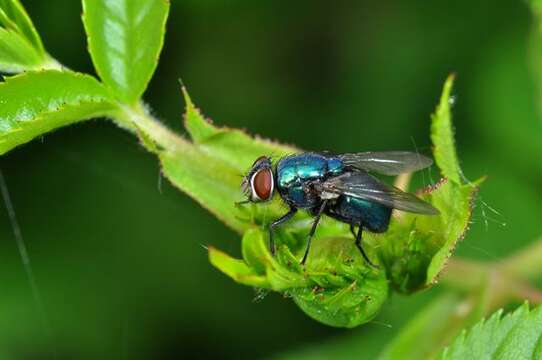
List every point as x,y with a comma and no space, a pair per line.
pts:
187,100
199,127
446,98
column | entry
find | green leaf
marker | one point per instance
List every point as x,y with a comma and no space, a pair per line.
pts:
455,203
37,102
16,54
333,289
335,286
124,39
14,10
514,336
415,248
442,135
236,269
211,169
21,48
199,128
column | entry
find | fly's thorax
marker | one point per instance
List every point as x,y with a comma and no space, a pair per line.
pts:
296,169
296,173
335,166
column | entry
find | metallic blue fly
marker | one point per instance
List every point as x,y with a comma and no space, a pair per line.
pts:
339,186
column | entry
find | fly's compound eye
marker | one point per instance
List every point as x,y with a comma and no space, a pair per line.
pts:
262,185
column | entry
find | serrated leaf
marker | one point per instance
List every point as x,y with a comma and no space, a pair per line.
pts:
513,336
16,53
413,251
15,11
416,248
331,288
455,204
199,128
34,103
442,135
211,169
21,48
236,269
125,38
334,288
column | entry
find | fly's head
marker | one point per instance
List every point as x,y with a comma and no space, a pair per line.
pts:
259,184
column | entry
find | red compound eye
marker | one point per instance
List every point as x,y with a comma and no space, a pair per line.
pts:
262,184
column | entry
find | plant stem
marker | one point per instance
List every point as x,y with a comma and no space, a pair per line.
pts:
138,118
134,118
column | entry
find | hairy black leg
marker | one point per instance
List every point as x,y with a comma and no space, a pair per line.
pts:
358,245
276,223
313,230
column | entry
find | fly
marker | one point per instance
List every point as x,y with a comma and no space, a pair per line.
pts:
339,186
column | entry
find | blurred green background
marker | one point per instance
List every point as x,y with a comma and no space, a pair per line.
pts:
118,253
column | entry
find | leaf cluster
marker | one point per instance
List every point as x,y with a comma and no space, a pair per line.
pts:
336,286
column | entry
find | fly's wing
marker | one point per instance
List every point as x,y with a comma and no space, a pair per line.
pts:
363,186
388,162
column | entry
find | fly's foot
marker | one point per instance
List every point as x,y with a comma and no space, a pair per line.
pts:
366,258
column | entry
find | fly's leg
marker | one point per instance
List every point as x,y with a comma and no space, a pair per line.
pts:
276,223
353,231
358,245
313,230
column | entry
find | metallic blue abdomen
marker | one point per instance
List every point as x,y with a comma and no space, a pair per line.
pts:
373,216
294,172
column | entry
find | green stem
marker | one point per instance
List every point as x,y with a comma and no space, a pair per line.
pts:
134,118
138,118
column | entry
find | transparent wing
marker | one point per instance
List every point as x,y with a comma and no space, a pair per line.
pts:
363,186
388,162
